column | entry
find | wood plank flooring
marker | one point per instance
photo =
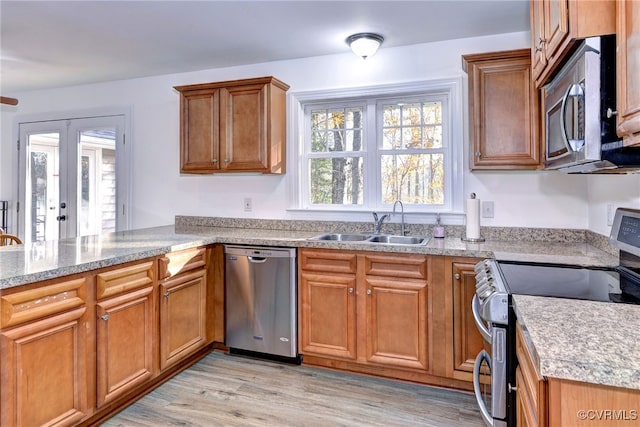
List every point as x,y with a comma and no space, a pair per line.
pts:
228,390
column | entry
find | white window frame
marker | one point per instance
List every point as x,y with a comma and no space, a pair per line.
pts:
452,132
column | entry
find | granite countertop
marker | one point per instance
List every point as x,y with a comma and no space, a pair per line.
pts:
38,261
587,341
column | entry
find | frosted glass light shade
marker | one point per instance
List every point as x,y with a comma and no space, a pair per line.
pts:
365,44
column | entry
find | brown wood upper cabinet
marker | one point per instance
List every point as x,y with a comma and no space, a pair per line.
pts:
503,111
628,66
233,126
557,25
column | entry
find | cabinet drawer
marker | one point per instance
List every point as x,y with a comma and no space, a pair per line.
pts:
180,262
328,261
407,266
124,279
43,301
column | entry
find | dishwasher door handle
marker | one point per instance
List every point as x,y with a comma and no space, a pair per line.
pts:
257,259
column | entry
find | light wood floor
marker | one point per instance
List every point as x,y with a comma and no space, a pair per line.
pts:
227,390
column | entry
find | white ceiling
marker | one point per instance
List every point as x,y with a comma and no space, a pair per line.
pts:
46,44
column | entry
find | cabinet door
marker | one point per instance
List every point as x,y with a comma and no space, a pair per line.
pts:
628,66
199,139
125,338
467,341
503,110
243,128
44,372
328,314
182,316
556,26
538,59
525,415
397,322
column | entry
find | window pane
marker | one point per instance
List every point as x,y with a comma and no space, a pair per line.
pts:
416,125
432,136
414,179
411,115
336,181
336,130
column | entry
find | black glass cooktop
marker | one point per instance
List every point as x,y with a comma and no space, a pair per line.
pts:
563,282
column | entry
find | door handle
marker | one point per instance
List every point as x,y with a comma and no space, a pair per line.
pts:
61,217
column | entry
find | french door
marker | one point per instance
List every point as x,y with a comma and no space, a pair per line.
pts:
73,177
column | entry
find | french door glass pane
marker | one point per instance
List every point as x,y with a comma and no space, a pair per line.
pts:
44,185
97,181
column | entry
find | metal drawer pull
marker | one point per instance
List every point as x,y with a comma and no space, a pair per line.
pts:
105,317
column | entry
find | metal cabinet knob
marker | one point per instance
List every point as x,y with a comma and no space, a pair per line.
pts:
456,276
226,160
478,154
105,317
166,294
61,218
611,113
350,290
368,291
214,161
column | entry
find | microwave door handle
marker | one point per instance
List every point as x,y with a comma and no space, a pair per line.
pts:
575,90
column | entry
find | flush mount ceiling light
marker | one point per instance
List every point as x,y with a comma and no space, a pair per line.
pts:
365,44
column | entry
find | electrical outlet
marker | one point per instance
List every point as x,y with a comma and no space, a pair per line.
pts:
248,204
487,209
610,212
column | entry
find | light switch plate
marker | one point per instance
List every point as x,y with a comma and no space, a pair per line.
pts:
487,209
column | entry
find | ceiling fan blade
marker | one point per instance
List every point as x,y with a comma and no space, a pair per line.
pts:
8,101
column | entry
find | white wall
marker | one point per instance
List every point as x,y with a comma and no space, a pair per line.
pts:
608,192
540,199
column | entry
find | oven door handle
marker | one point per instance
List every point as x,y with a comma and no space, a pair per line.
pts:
475,309
483,356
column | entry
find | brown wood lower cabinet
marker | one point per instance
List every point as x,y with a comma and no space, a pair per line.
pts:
376,313
554,402
328,314
465,342
182,316
79,348
183,303
44,371
125,327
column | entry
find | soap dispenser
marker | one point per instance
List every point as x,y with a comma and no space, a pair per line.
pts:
438,229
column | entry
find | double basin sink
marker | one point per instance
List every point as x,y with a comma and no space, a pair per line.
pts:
382,239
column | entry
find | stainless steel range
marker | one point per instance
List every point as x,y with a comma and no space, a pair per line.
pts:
497,280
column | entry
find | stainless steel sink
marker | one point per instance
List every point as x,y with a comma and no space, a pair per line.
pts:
398,240
339,237
380,239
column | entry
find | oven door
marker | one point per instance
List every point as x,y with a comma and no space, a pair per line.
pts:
491,362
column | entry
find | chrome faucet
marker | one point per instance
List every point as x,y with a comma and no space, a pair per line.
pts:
377,223
402,230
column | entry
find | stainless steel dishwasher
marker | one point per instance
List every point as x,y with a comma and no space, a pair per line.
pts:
260,297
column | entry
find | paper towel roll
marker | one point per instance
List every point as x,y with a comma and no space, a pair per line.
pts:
473,218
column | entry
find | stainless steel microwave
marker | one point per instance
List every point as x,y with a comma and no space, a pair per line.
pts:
579,112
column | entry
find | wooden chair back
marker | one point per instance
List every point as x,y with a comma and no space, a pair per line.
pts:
9,239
